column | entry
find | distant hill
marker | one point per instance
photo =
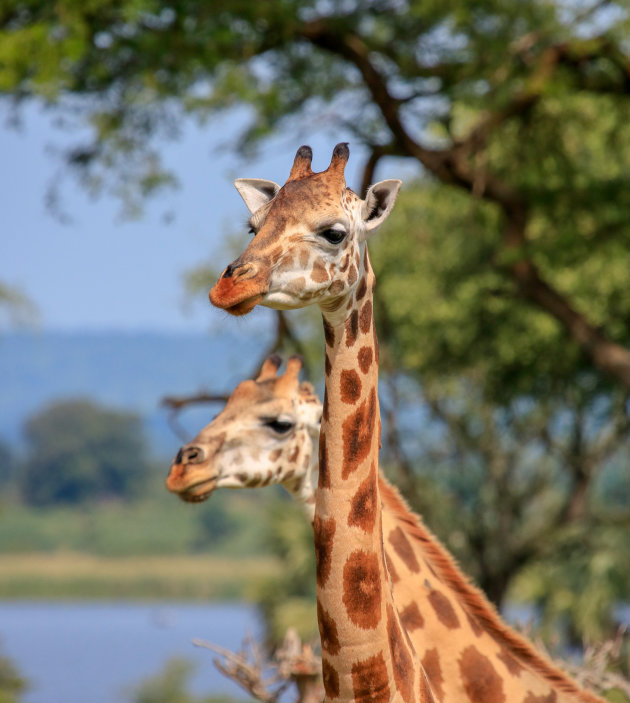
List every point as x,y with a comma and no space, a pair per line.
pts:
120,370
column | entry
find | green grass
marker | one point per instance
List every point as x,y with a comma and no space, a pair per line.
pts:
71,575
229,523
158,547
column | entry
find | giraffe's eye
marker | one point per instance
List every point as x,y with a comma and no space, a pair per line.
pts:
334,236
280,427
251,231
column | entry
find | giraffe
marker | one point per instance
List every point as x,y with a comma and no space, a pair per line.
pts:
263,436
414,556
309,248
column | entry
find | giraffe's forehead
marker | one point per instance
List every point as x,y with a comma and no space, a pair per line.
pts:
252,393
268,396
308,201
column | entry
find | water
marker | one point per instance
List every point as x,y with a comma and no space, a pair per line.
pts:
98,652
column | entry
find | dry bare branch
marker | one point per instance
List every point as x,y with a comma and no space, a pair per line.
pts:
293,664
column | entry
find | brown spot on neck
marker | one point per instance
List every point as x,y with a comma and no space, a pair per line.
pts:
352,328
365,317
363,507
364,358
431,665
411,617
330,678
391,569
481,682
370,681
362,589
402,663
324,536
443,609
327,630
358,430
329,333
403,548
323,480
349,386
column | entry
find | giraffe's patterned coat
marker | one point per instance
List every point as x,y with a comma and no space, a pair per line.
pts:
466,650
409,548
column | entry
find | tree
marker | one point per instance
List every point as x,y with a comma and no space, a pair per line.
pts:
79,451
447,85
7,465
527,443
15,307
12,685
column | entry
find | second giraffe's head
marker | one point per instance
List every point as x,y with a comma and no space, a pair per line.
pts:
308,237
264,435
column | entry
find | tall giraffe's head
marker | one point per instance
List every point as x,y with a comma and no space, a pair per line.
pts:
308,237
265,434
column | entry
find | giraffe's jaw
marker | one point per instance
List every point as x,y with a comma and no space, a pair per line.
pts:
198,492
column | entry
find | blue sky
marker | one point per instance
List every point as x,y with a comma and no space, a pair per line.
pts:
99,272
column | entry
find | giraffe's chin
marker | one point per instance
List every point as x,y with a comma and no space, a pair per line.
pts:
244,306
198,492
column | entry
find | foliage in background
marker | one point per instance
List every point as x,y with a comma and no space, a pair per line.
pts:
527,442
7,465
15,307
172,686
79,451
12,685
287,599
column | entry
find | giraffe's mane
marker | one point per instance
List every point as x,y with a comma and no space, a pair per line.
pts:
475,602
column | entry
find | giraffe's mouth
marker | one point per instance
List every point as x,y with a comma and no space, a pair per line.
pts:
198,492
244,306
237,297
189,487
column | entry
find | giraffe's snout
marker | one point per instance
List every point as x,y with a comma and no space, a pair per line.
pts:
240,288
192,476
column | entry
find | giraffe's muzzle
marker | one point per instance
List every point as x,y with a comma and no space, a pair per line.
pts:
191,476
239,289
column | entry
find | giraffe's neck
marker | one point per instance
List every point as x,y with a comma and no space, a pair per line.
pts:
365,652
453,627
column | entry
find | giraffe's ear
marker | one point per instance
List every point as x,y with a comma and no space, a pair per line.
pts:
379,202
256,192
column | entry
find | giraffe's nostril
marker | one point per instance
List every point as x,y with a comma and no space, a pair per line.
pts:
190,455
240,271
